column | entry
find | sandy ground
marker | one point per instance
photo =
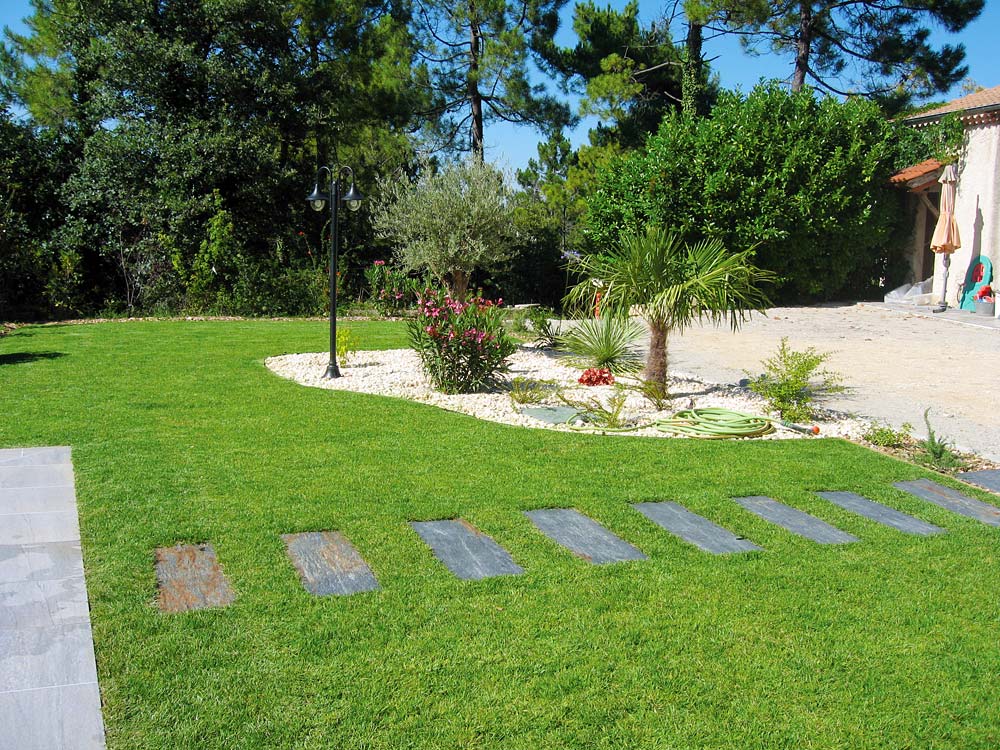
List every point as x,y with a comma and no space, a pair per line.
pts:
896,364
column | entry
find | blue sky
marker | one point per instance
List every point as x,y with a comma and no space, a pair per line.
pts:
512,146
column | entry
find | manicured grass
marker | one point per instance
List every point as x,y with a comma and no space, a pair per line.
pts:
180,434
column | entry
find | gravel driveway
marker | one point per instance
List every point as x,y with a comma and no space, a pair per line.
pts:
896,363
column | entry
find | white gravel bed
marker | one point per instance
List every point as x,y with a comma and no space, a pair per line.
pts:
398,373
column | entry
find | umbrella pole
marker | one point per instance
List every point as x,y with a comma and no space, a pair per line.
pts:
944,289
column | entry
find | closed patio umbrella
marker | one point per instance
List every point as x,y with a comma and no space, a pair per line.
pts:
946,237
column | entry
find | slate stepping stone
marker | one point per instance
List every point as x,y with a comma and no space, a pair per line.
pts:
583,536
190,577
883,514
695,529
988,479
795,520
952,500
466,551
551,414
329,564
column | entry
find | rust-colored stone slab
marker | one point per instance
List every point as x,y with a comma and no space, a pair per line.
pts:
190,577
329,564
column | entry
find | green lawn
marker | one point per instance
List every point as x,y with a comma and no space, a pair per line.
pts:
180,434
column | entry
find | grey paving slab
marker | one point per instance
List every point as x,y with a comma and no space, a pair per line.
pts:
794,520
72,718
695,529
49,696
583,536
37,500
328,563
34,456
465,550
40,562
190,577
882,514
43,604
54,475
988,479
45,657
952,500
39,528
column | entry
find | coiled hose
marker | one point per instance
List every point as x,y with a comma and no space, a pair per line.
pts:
714,423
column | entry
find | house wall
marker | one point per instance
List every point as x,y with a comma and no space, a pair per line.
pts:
977,208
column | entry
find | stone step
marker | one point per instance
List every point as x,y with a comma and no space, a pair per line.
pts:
952,500
794,520
189,577
695,529
464,550
987,479
882,514
583,536
328,564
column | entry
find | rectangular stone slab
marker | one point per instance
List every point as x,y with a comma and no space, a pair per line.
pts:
328,563
952,500
466,551
794,520
988,479
583,536
695,529
189,577
882,514
53,718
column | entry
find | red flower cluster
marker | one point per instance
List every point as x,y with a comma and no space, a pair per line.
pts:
597,376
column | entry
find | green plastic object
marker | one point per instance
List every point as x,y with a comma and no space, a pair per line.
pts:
980,274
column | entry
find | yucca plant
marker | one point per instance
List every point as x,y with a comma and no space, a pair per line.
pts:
610,343
671,284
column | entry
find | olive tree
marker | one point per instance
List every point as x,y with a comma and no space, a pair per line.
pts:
450,223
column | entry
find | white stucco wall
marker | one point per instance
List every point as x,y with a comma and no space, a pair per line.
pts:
977,208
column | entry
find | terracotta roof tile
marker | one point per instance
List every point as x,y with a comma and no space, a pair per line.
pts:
917,170
984,98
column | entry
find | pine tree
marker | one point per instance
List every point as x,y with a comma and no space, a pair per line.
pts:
475,57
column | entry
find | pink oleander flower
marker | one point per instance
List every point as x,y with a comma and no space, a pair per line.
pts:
380,263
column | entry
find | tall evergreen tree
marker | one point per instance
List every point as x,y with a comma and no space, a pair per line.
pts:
475,57
878,49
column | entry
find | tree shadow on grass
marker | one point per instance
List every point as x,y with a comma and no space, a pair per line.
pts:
20,358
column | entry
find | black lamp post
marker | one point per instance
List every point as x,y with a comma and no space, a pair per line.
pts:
318,200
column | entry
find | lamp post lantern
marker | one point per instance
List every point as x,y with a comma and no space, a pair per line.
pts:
318,200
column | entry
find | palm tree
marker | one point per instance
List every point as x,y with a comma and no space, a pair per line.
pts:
671,284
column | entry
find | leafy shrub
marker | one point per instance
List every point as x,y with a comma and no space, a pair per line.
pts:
389,289
529,391
597,376
793,381
610,342
462,344
803,178
885,436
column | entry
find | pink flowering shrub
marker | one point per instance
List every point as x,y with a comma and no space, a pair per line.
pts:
390,290
462,344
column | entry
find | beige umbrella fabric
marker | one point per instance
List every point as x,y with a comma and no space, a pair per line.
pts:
946,237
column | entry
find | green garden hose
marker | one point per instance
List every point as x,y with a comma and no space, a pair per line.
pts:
714,423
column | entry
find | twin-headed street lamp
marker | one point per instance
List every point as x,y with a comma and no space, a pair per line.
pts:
318,200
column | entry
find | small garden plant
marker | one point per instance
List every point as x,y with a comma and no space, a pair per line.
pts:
793,381
347,345
462,344
610,343
885,435
531,391
597,376
935,451
607,415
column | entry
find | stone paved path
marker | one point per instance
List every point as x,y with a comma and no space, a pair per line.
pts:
49,698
